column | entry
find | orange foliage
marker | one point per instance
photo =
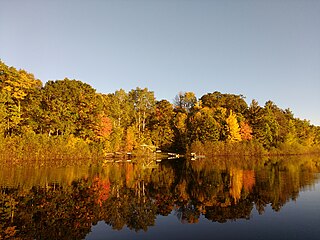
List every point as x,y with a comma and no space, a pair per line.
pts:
105,127
245,131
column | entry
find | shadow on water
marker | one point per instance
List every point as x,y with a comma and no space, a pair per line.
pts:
64,202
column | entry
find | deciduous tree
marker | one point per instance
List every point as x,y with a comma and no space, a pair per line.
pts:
233,128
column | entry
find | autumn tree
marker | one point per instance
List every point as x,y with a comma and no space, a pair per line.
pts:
120,108
255,118
130,139
233,102
185,101
15,87
161,121
180,130
220,115
144,102
305,133
291,137
233,128
104,127
70,107
245,131
203,126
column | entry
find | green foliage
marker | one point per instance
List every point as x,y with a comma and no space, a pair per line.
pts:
144,106
160,125
203,126
16,86
32,117
70,107
233,102
119,107
34,147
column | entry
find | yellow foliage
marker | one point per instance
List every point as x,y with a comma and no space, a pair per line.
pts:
180,122
233,128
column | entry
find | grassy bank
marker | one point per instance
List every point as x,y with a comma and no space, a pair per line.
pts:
249,148
33,147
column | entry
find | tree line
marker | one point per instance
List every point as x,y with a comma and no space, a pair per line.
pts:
70,113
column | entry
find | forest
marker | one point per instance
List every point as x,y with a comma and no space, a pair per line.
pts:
69,119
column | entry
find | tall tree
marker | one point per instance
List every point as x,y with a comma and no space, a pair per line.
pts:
120,108
180,128
162,133
144,102
245,131
203,126
71,107
254,116
185,101
233,128
220,115
15,87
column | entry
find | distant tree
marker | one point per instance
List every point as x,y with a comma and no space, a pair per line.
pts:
233,102
185,101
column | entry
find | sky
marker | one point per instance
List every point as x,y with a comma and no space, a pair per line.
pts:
264,50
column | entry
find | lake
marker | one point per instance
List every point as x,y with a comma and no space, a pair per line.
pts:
209,198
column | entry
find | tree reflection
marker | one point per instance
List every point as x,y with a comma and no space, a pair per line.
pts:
133,195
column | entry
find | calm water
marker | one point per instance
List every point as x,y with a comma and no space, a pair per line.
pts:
174,199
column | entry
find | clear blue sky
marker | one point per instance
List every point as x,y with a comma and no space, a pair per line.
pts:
265,50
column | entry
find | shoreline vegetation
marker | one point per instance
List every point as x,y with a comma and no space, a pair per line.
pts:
68,119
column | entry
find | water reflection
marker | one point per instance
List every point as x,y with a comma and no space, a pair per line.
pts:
64,202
